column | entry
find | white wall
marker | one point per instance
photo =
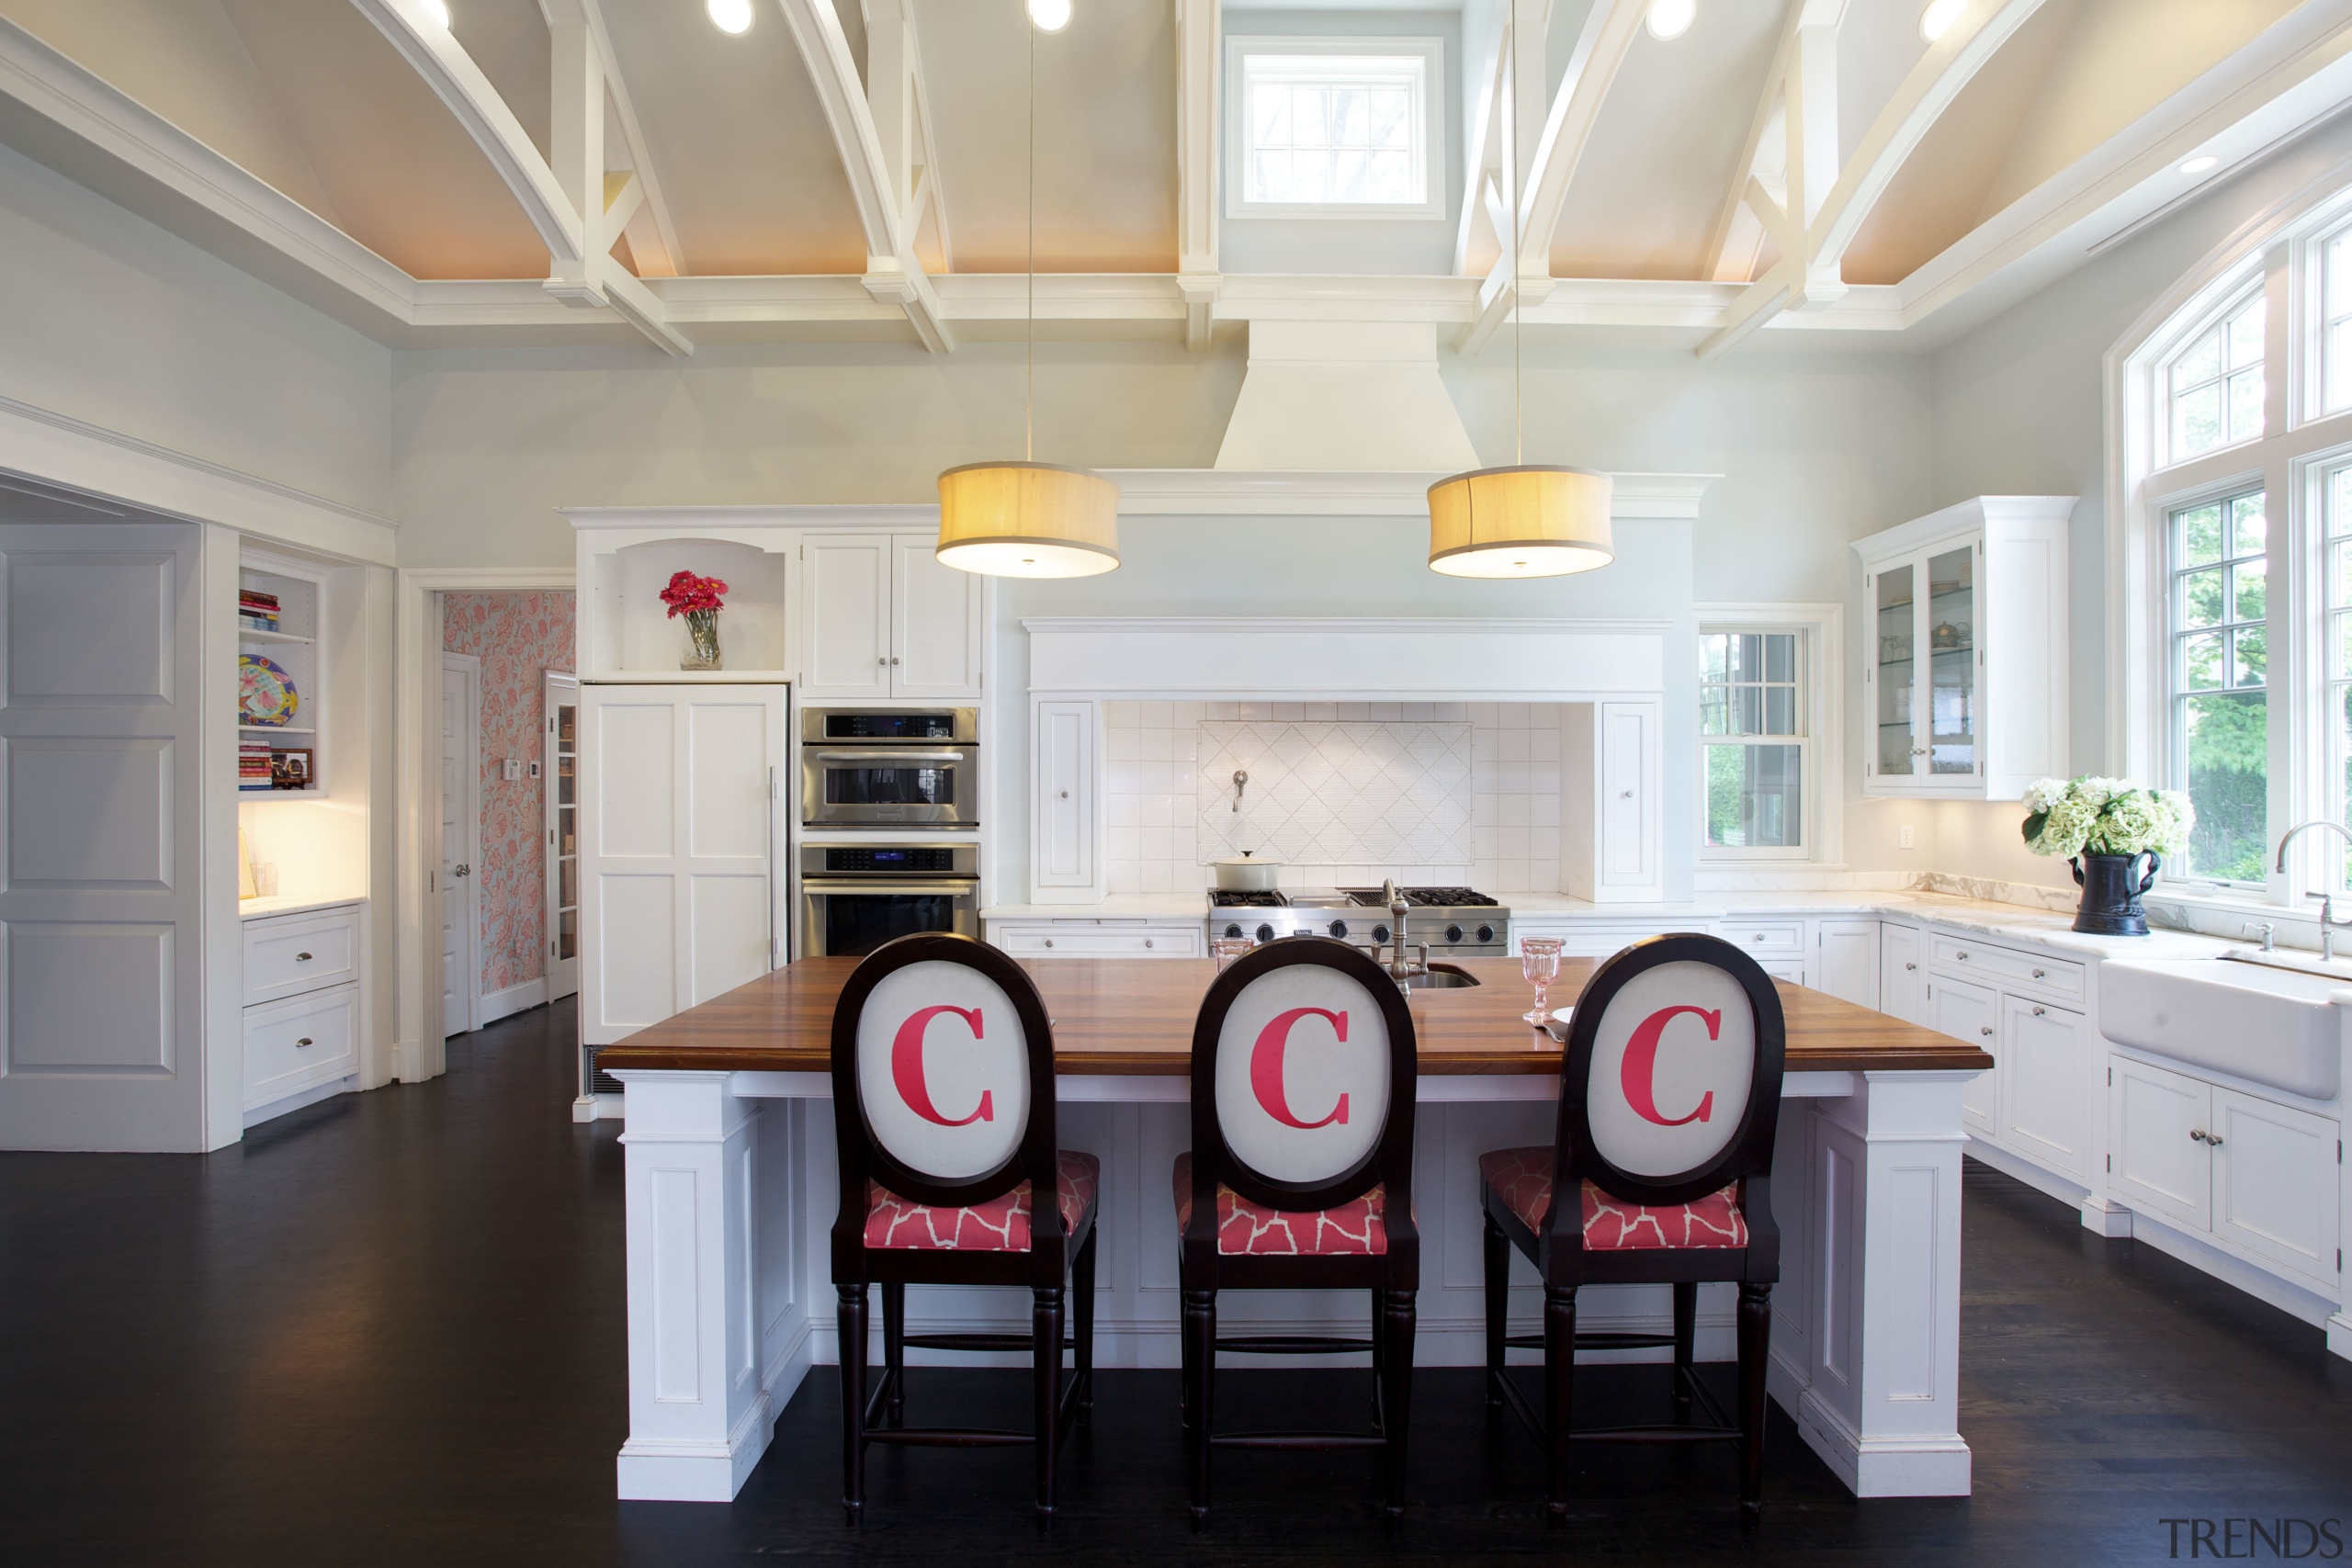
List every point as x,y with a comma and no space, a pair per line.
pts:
2019,408
111,319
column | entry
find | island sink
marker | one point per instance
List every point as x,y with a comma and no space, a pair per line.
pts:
2273,1026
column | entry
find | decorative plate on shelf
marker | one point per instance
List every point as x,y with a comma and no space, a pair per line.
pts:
265,693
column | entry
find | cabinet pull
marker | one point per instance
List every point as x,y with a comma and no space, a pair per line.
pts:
1985,1029
301,958
1910,967
2039,1012
879,660
1065,794
304,1041
1049,942
2038,975
1147,941
1963,957
894,659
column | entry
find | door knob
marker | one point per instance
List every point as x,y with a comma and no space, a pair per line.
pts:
465,871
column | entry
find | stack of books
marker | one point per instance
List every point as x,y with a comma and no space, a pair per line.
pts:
252,765
256,611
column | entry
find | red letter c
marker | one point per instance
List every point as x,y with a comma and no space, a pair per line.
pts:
1640,1071
905,1067
1266,1067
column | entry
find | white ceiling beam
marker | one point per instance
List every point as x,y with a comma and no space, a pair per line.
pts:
1481,142
901,104
652,236
1608,37
1732,246
1199,64
459,83
892,273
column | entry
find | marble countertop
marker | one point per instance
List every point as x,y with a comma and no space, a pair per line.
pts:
254,909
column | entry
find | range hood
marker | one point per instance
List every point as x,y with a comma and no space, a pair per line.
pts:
1345,397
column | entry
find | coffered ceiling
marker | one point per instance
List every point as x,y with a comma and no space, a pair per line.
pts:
548,171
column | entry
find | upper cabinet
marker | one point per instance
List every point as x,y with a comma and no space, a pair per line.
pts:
1965,668
884,619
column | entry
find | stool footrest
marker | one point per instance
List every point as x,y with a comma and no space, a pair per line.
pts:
977,1342
1292,1345
949,1437
1656,1434
1299,1440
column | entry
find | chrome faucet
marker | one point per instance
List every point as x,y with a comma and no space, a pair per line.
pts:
1400,968
2327,923
2289,837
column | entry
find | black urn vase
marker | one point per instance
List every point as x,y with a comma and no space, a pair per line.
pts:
2112,886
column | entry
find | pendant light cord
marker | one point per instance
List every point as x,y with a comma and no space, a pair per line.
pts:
1029,438
1517,315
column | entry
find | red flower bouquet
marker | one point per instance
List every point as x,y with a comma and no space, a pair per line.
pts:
699,599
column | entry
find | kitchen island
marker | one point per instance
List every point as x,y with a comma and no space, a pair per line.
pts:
731,1194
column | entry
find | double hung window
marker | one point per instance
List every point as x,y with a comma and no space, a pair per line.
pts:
1334,127
1753,742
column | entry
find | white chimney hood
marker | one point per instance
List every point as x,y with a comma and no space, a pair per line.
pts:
1347,396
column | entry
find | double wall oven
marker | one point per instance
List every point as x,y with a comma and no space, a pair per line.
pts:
865,773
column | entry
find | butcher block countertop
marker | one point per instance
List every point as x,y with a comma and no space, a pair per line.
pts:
1134,1016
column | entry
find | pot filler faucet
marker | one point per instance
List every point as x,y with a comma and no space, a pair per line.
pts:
2327,923
1400,968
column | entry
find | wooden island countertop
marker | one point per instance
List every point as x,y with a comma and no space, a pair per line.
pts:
1134,1016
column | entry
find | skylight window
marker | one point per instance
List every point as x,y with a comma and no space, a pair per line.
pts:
1339,128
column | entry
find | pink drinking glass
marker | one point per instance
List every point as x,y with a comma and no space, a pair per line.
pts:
1538,960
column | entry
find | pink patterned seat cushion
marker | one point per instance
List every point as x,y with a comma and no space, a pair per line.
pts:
1000,1224
1523,1179
1359,1228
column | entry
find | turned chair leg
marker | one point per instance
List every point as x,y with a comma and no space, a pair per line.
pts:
1498,1311
1686,1326
894,1354
1082,1286
1755,1346
1394,1332
1379,1360
1200,1381
1046,1353
853,1359
1559,1387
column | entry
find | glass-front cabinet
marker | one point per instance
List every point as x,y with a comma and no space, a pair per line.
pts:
1965,673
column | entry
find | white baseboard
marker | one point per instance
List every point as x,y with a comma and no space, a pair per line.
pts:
2066,1189
2198,1252
496,1005
598,1108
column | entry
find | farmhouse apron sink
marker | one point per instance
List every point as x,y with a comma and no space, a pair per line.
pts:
2273,1026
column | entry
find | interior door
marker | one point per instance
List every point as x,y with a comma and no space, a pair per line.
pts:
461,843
560,766
846,615
936,623
1970,1012
2161,1161
2047,1103
102,913
681,826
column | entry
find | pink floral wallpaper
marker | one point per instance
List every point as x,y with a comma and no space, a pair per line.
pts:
518,637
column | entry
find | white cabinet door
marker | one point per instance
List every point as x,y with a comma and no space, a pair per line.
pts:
1065,848
1845,960
846,615
1628,783
2046,1098
1788,969
2156,1119
2274,1182
1973,1013
1902,984
936,621
680,824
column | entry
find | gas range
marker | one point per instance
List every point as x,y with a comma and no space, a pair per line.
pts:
1456,923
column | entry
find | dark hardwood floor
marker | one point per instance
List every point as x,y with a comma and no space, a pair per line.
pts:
389,1330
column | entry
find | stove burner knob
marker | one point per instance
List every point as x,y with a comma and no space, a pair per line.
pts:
1232,931
1380,933
1265,934
1454,934
1485,933
1339,929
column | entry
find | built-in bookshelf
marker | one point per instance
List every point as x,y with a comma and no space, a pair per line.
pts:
288,640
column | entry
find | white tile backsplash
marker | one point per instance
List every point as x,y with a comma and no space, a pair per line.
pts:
1341,793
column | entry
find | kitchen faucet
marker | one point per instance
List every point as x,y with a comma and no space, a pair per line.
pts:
2326,900
1400,969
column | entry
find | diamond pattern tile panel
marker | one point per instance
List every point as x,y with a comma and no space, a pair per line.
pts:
1344,793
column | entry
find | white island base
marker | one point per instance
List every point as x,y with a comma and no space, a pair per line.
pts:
732,1186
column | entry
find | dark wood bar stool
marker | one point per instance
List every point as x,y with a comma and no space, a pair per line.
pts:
1669,1098
1300,1178
943,1112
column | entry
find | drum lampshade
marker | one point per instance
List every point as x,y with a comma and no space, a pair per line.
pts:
1028,520
1528,521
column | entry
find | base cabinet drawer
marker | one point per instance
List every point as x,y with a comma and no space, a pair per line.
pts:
300,1042
2005,965
286,957
1762,939
1087,940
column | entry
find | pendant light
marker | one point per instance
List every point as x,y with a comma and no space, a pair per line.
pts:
1029,519
1527,520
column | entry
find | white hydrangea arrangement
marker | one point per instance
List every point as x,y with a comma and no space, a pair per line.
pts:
2105,817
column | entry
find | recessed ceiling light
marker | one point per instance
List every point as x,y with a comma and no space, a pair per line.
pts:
730,15
435,12
2200,164
1051,15
1937,18
1671,18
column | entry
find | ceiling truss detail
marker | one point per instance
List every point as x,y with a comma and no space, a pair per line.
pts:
892,271
1199,56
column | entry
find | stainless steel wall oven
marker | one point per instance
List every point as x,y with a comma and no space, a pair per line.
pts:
854,898
860,768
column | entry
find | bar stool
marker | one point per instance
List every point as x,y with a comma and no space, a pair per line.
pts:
943,1115
1300,1177
1669,1098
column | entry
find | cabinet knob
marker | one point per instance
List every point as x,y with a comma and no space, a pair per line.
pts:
879,660
2038,975
1049,942
1985,1029
1147,941
1910,967
1963,957
2201,1136
2039,1012
304,1041
301,958
1065,794
1624,795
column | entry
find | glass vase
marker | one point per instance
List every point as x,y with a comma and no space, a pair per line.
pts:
702,640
